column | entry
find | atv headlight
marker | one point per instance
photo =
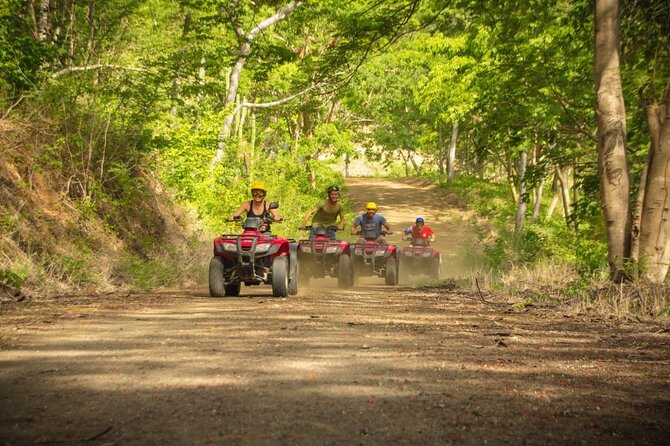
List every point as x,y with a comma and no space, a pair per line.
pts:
262,247
331,250
230,247
427,254
307,249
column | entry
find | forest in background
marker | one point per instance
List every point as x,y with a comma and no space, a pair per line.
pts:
146,120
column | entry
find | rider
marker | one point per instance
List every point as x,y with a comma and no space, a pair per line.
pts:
325,214
419,233
257,206
371,224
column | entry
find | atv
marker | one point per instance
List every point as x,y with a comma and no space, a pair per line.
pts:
371,258
254,257
419,258
325,257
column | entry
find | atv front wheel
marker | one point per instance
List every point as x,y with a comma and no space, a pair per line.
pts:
391,271
293,280
216,283
344,277
280,276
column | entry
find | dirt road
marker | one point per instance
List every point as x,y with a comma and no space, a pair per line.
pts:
372,365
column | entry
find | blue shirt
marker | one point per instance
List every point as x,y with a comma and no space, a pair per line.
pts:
370,228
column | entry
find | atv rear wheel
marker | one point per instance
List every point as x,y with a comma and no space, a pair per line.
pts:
344,271
391,271
293,280
280,276
216,282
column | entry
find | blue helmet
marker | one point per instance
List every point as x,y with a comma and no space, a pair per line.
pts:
419,220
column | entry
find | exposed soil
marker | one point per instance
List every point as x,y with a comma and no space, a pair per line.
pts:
420,364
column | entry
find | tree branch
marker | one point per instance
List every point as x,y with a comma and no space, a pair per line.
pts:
69,70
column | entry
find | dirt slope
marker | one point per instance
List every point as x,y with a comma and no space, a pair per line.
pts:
372,365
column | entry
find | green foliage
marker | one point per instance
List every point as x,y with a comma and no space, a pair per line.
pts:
145,274
11,278
546,240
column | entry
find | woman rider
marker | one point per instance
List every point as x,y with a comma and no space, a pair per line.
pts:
257,206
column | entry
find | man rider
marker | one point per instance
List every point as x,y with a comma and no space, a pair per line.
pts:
257,206
418,233
371,224
325,214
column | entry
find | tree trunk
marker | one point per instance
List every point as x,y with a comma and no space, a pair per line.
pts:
538,199
655,221
440,151
415,165
637,212
346,165
90,44
563,175
556,197
244,46
451,156
521,208
611,122
44,25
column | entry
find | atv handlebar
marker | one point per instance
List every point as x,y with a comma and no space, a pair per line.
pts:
267,219
310,227
382,233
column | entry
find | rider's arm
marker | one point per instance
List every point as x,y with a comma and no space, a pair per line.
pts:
432,235
307,217
354,226
239,211
385,224
340,225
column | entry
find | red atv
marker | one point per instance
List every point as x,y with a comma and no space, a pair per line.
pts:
325,257
372,258
254,257
419,258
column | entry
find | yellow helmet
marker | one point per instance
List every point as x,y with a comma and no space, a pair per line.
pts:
371,206
258,186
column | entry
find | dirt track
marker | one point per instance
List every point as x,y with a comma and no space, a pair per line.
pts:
372,365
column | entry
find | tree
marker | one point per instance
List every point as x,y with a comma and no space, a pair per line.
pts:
611,118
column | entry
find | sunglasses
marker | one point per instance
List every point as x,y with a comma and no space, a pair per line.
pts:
372,210
257,193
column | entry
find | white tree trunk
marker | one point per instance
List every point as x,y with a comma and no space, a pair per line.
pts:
538,200
521,208
563,175
655,221
451,155
611,121
244,46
